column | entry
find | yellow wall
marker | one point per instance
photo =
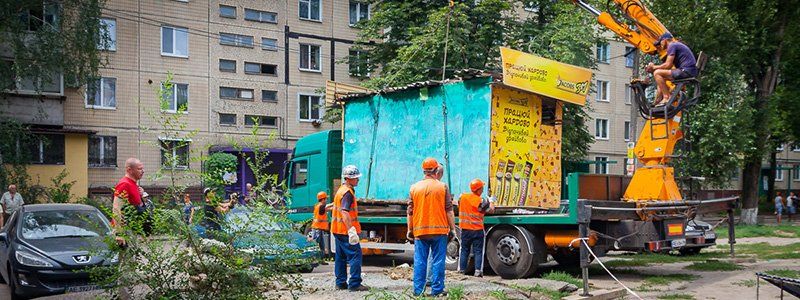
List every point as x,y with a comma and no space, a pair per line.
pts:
76,162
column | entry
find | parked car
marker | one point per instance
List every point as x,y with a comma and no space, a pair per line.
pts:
699,235
48,249
255,237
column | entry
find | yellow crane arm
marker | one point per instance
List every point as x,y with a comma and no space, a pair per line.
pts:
647,28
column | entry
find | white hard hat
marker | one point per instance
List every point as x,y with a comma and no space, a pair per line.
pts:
350,171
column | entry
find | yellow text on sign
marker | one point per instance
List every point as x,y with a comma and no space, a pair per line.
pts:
545,77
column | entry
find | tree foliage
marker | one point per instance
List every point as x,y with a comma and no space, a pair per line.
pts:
405,40
50,37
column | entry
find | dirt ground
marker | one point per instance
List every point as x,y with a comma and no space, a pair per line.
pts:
382,274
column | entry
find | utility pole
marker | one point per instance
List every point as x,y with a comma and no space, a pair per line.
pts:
634,124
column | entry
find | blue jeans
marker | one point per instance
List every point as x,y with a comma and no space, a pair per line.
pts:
347,254
471,242
423,248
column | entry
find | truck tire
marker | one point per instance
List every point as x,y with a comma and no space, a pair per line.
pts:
569,258
509,254
453,250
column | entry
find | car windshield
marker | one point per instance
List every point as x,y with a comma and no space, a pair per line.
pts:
246,221
39,225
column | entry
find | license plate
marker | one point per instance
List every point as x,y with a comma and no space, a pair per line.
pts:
678,243
710,235
81,288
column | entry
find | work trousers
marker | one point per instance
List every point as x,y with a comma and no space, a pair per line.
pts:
347,254
471,242
423,248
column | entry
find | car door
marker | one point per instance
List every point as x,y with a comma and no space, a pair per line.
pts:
5,246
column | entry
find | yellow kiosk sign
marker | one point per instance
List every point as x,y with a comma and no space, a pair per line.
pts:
545,77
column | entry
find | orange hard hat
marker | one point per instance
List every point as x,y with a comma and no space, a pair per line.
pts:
322,195
475,184
430,163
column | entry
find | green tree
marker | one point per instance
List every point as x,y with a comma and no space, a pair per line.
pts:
50,37
413,35
753,41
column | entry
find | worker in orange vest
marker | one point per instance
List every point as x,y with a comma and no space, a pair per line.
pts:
431,223
320,226
345,229
471,208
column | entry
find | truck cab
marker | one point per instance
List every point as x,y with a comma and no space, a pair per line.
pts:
315,166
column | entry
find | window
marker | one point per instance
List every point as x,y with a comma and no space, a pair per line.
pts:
227,119
47,149
299,173
309,107
235,93
260,16
735,174
628,93
174,41
237,40
602,52
309,10
37,16
260,69
108,35
601,165
226,11
226,65
102,151
269,96
796,173
47,85
177,98
531,6
309,58
358,63
601,129
778,174
269,44
603,89
630,53
779,148
102,93
250,120
175,154
796,147
627,135
358,11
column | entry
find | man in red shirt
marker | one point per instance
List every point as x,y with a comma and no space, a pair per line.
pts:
128,190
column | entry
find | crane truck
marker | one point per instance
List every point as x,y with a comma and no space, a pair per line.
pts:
506,130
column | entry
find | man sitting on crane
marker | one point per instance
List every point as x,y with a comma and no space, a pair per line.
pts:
680,57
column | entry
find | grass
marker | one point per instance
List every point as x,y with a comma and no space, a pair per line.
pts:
650,282
562,276
647,259
746,283
676,297
785,273
529,292
767,251
745,231
712,265
499,295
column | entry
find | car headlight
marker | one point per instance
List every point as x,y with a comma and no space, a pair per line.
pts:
28,257
689,228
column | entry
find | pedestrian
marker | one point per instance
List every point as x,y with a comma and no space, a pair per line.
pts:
471,209
11,201
791,205
320,225
212,211
429,275
778,206
128,193
430,222
250,194
188,209
679,64
345,229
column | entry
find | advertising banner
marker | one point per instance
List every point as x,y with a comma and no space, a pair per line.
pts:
545,77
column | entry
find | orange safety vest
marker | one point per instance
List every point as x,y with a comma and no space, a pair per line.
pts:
337,223
429,216
320,220
469,217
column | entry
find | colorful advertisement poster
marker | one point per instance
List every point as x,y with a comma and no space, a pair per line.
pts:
545,77
525,155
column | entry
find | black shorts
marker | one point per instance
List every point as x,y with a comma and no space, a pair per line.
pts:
678,74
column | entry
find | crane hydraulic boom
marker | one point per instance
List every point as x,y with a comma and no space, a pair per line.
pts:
654,148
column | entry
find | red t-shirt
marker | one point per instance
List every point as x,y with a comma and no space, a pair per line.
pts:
128,189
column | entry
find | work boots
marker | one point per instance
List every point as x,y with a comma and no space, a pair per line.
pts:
478,273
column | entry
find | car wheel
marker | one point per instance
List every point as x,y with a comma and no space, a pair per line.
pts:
12,286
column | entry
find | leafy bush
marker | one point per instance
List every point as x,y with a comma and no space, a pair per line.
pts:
60,191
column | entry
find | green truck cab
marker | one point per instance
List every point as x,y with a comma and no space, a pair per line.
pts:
315,166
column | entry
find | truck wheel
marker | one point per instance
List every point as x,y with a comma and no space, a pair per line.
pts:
453,249
690,251
509,255
569,258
